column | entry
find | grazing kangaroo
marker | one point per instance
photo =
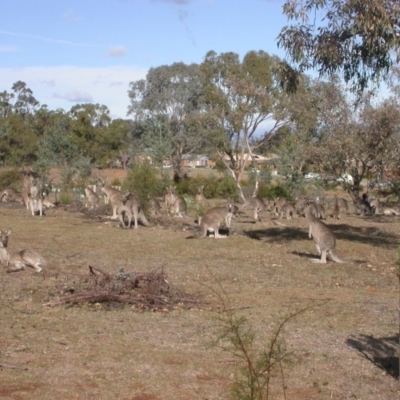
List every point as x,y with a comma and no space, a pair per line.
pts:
112,196
211,220
20,260
92,197
130,207
289,210
323,237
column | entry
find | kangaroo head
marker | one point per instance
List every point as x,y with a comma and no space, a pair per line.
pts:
4,238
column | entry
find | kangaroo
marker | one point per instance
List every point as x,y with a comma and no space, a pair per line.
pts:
10,194
112,196
362,206
200,199
339,205
35,198
391,211
258,205
130,207
323,237
155,207
177,202
211,220
28,178
278,204
92,197
289,210
374,204
20,260
168,199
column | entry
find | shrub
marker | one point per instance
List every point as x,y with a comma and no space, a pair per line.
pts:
10,177
142,179
65,197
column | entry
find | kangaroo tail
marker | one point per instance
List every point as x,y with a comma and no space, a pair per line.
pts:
335,258
143,219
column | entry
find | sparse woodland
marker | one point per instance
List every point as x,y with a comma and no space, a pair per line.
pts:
340,322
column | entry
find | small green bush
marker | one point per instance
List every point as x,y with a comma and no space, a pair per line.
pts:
65,197
143,180
10,177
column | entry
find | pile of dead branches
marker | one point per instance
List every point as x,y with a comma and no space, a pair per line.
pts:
148,291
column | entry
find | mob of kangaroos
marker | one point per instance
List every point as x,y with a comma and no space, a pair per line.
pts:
323,237
24,258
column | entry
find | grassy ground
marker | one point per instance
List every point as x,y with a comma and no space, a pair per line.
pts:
344,347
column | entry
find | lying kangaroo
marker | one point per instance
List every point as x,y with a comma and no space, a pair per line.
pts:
323,237
130,207
10,194
391,211
20,260
211,220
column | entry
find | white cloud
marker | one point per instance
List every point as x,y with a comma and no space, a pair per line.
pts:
116,51
8,49
74,96
59,86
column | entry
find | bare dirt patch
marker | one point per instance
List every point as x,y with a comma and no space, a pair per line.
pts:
344,349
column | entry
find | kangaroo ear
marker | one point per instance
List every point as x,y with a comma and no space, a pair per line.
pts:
8,232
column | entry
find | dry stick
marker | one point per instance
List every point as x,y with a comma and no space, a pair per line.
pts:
12,366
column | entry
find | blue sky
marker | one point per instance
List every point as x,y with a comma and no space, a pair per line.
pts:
76,51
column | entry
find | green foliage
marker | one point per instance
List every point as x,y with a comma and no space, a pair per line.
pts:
65,197
142,180
356,38
258,365
272,191
10,178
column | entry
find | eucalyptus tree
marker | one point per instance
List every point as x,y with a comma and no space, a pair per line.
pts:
171,97
242,97
91,134
358,39
328,133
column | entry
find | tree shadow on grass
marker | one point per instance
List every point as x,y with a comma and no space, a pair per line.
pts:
274,235
380,351
367,235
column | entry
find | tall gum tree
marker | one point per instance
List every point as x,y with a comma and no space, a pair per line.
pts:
172,94
241,96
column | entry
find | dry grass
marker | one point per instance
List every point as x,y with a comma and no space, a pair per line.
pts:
345,348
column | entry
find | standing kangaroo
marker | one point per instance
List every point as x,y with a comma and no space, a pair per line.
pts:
112,196
129,207
35,198
258,205
211,220
20,260
323,237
